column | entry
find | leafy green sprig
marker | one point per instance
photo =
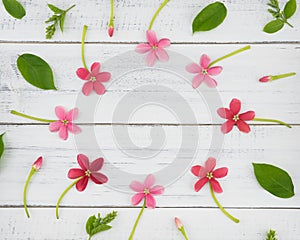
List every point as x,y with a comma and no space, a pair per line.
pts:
271,235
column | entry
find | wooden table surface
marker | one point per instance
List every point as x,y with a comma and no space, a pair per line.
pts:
25,140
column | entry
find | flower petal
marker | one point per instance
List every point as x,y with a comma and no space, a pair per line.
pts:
150,201
214,70
143,48
60,112
151,58
87,88
99,88
243,126
83,74
210,82
197,80
137,198
73,128
193,68
247,116
99,178
83,162
163,43
96,165
149,181
55,126
235,106
151,37
227,126
225,113
157,190
63,132
82,183
216,186
72,114
204,61
210,164
95,68
75,173
137,186
162,55
220,172
200,183
196,170
103,77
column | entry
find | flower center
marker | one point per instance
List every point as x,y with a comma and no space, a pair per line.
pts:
93,79
154,47
236,118
88,173
209,175
204,71
65,122
146,191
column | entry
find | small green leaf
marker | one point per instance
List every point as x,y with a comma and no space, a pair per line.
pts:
274,26
290,8
62,22
99,229
1,145
55,9
14,8
274,180
36,71
89,224
210,17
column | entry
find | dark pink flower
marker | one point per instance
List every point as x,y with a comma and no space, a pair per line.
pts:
265,79
146,191
235,118
154,48
111,31
208,174
37,164
204,72
94,79
65,122
87,170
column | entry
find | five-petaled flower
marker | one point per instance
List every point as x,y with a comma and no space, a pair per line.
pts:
94,79
208,174
65,122
154,48
146,191
204,72
235,118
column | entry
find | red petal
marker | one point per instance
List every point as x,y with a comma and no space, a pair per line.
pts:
204,61
235,106
95,68
60,112
151,37
216,186
75,173
243,126
83,74
247,116
200,183
99,88
157,190
225,113
63,132
220,172
227,126
99,178
96,165
210,164
82,183
196,170
137,198
83,161
137,186
150,201
103,77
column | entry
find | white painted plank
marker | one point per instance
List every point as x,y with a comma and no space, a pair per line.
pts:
244,22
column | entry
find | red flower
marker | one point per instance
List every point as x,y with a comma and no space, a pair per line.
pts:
235,118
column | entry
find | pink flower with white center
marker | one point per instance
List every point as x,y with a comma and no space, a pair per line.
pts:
204,72
146,191
65,122
94,79
154,48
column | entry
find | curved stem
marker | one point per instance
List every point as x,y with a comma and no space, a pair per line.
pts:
63,194
282,76
137,221
85,27
25,191
31,117
271,120
220,206
229,55
157,12
183,233
112,13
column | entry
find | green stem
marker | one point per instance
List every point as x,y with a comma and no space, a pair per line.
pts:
31,117
220,206
85,27
90,237
157,12
282,76
63,194
272,120
183,233
112,13
229,55
32,172
69,8
137,220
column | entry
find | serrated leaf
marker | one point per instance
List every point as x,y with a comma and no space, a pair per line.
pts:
36,71
273,26
89,224
274,180
55,9
62,22
1,145
99,229
290,8
14,8
210,17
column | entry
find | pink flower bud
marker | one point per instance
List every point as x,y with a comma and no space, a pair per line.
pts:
178,223
38,163
111,31
265,79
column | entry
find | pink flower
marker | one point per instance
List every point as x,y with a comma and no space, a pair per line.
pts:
146,191
208,174
265,79
65,122
37,164
154,48
87,170
94,79
111,31
234,118
204,72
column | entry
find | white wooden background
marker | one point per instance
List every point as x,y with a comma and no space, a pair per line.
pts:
243,197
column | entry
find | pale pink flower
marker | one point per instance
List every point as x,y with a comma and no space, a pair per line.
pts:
65,122
204,72
94,79
154,48
146,191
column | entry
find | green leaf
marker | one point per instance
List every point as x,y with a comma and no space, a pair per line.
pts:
210,17
14,8
89,224
274,180
36,71
274,26
1,145
100,228
55,9
290,8
62,22
271,235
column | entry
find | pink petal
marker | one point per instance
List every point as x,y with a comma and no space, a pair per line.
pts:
63,132
72,114
73,128
235,106
193,68
99,88
210,164
137,198
227,126
196,170
95,68
243,126
214,70
150,201
210,82
197,80
151,37
265,79
99,178
83,74
163,43
151,58
225,113
96,165
216,186
220,172
143,48
87,88
200,183
247,116
60,113
137,186
83,162
103,77
204,61
82,183
75,173
55,126
157,190
149,181
162,55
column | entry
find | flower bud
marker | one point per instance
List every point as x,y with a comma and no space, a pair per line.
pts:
178,223
37,164
265,79
111,31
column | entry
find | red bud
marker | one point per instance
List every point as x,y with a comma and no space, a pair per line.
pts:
111,31
265,79
38,163
178,223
